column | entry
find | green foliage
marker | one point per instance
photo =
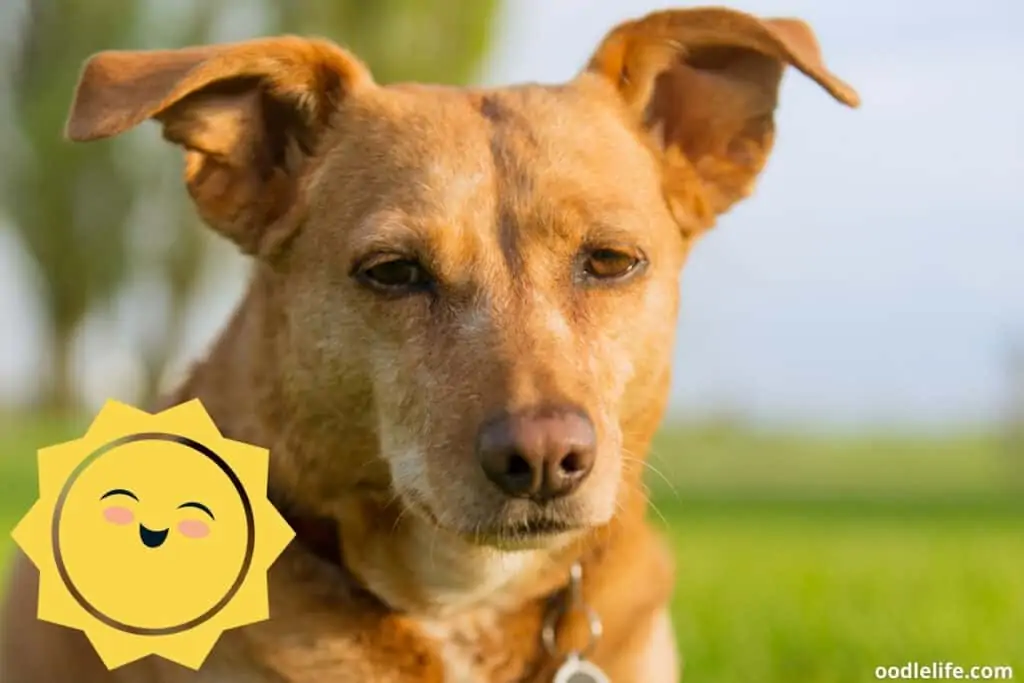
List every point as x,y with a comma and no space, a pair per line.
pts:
401,40
69,202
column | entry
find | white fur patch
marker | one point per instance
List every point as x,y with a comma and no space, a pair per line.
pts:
661,662
477,320
459,640
457,574
554,321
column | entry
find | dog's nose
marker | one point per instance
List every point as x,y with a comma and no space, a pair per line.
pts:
540,454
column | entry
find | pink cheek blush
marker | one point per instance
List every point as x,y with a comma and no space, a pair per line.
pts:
118,515
193,528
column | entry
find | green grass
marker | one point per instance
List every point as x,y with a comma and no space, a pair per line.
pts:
819,593
733,462
801,560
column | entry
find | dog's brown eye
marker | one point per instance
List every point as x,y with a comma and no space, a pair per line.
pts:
396,274
610,264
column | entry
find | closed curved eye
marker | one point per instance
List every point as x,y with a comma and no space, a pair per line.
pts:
197,506
119,492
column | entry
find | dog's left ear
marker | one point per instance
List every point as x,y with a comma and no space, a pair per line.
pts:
247,115
704,84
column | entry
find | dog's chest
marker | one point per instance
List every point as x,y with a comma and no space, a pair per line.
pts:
470,649
321,629
475,648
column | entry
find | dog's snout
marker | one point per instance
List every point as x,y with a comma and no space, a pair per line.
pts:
538,454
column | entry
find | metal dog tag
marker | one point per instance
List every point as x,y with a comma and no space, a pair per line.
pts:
577,670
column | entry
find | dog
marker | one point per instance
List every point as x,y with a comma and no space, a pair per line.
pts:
456,342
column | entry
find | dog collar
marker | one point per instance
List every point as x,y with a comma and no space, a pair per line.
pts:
575,667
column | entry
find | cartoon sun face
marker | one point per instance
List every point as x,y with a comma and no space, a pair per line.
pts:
153,534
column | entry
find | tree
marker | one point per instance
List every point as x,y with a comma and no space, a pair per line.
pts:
69,203
401,40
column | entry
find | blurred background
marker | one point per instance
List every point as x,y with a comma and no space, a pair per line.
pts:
842,468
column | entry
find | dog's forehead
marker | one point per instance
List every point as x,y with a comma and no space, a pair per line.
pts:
565,131
530,142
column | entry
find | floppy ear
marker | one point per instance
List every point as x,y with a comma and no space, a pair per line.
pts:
704,83
247,115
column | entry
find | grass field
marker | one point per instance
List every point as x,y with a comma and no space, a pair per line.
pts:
801,560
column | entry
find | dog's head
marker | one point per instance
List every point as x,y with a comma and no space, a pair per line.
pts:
481,283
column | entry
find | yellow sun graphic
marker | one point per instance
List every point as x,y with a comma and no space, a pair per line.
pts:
153,534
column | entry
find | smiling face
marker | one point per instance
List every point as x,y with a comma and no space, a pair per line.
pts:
152,534
123,515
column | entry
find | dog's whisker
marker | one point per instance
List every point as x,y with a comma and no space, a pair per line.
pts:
431,557
398,520
644,493
658,455
628,457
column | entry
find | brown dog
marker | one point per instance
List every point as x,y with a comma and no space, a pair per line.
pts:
457,338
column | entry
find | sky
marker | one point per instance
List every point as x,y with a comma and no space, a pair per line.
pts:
876,277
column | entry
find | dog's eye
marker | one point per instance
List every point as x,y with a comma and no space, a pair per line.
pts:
610,264
396,274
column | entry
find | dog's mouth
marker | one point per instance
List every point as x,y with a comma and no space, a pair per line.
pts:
531,528
536,533
538,529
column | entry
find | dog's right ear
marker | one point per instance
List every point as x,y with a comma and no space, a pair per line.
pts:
704,84
247,115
